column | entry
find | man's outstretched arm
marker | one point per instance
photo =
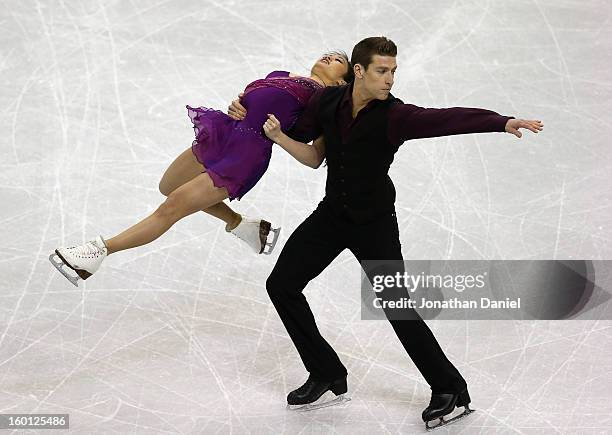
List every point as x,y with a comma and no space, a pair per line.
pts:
407,121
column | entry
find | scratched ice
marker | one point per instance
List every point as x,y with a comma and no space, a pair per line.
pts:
179,336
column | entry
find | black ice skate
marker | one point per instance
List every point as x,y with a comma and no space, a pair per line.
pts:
312,395
444,404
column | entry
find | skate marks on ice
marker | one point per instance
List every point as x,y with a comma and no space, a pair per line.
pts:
326,400
454,417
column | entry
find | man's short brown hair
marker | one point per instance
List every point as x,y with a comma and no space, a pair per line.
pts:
365,49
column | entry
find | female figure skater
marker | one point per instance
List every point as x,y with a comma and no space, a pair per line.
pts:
226,160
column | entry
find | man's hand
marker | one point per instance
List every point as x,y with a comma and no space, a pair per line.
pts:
236,110
513,125
272,128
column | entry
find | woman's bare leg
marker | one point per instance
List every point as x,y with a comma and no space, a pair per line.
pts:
223,211
183,169
197,194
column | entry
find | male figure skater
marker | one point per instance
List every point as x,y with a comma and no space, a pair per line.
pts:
362,127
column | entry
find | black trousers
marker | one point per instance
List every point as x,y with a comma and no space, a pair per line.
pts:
308,251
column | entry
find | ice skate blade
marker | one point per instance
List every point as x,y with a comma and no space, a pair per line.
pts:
467,411
321,403
270,245
59,265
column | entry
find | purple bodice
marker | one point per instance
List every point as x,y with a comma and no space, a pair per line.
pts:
301,88
236,153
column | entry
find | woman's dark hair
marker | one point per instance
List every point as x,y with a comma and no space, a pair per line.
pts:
365,49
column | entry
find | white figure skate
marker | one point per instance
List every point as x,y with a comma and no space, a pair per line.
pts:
84,260
255,232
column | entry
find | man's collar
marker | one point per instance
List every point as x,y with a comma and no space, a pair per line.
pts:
348,95
347,98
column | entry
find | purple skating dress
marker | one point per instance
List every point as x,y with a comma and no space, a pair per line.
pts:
237,153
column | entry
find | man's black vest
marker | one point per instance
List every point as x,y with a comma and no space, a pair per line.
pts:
358,186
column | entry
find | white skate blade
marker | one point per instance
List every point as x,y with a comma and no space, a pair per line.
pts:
327,399
270,245
442,422
63,269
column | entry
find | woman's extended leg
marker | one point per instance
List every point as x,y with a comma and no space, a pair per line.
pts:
183,169
197,194
254,232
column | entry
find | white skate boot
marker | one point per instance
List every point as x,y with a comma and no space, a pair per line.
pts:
84,260
255,232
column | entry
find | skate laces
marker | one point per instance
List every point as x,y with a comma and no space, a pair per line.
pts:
89,249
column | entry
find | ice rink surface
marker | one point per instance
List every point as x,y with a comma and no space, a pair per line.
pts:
179,336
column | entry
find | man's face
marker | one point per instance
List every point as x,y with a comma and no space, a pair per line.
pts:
378,78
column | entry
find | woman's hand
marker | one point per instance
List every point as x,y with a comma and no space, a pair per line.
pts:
513,125
272,128
236,111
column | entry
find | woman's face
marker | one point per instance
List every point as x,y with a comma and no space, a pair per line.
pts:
331,68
